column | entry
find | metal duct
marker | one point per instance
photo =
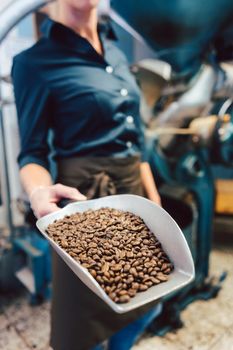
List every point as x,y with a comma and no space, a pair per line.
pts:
16,11
180,32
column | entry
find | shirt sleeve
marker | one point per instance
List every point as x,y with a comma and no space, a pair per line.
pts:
143,147
32,104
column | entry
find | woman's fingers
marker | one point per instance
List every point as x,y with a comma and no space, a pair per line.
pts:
62,191
44,199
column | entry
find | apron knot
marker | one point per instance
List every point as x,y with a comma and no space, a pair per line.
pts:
102,185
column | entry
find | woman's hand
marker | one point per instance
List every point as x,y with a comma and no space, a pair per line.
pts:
149,183
44,199
155,197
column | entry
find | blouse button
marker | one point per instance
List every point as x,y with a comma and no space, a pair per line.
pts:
129,144
129,119
124,92
109,69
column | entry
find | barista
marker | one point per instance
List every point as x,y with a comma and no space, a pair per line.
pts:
75,81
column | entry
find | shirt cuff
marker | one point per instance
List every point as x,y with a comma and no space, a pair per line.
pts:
144,156
22,161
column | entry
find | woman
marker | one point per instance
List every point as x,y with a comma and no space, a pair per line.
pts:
77,83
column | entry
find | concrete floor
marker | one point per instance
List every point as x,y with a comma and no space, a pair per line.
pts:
208,324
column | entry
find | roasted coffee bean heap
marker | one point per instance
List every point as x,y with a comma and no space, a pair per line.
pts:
116,247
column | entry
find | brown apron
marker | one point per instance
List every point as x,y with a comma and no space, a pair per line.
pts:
80,319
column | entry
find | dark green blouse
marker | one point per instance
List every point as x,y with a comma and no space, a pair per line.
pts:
91,102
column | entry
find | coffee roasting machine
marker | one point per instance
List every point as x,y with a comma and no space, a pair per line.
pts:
187,108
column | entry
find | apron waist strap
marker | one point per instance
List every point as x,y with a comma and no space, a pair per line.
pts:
101,176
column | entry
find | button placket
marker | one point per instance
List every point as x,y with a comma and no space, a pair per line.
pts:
124,92
129,119
109,69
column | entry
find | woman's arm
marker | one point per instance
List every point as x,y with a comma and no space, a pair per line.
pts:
33,176
33,102
43,195
149,183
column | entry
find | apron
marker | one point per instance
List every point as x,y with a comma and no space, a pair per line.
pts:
80,319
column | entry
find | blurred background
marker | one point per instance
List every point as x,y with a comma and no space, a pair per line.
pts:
181,54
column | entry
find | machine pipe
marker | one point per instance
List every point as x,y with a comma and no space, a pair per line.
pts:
15,11
9,17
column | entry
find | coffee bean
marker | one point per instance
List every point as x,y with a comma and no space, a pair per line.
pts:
135,243
153,273
135,263
132,292
107,274
155,280
123,292
64,244
162,278
117,279
105,267
126,268
99,279
130,280
96,257
106,280
146,241
116,248
135,285
141,274
129,254
112,295
143,287
124,299
139,268
149,283
115,243
74,255
133,271
146,278
92,245
117,267
164,267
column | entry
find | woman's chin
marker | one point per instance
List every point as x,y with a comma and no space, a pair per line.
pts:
85,5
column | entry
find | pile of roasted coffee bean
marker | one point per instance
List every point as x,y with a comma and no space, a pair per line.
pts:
116,247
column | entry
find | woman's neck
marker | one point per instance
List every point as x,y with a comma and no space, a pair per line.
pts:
82,22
